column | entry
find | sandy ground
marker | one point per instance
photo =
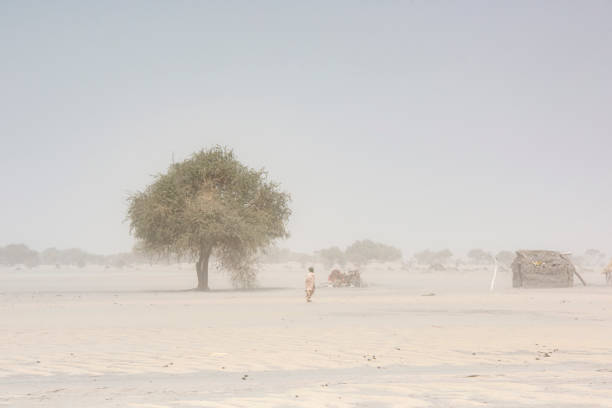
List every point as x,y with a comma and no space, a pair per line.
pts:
135,338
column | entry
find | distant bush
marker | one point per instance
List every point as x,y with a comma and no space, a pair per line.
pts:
505,257
362,252
275,255
72,256
428,257
331,256
480,256
20,254
16,254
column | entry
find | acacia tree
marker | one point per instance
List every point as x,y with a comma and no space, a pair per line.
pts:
211,204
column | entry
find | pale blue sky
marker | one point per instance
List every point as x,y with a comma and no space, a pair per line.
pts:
422,124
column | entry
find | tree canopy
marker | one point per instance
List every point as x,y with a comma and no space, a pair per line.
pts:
211,204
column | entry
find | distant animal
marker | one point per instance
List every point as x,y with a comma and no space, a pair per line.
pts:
608,272
339,279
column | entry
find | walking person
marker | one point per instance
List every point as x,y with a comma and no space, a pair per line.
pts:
310,284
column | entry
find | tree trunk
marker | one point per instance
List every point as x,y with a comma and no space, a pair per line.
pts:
202,268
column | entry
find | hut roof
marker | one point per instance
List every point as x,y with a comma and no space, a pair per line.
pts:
541,257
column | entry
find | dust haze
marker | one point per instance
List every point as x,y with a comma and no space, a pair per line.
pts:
442,168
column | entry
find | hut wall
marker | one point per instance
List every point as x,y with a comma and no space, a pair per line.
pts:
528,275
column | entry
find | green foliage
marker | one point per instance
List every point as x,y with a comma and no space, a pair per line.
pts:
361,252
210,202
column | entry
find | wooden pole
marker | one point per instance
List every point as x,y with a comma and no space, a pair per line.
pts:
494,275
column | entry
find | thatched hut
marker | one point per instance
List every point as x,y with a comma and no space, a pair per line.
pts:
542,269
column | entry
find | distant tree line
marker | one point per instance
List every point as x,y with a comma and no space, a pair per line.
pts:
591,258
20,254
475,256
359,253
428,257
276,255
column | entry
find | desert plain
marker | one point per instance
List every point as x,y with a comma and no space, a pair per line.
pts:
138,337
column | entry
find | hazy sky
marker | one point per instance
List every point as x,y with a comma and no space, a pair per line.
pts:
422,124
